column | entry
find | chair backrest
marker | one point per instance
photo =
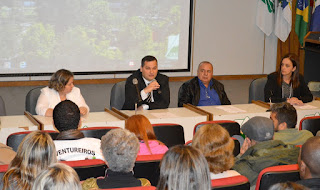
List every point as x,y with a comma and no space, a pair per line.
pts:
15,139
88,168
168,133
134,188
311,124
31,100
2,107
117,96
147,166
96,132
277,174
3,169
231,126
256,89
239,182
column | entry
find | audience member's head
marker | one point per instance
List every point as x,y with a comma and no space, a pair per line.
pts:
120,148
35,153
57,177
258,129
184,167
287,186
216,145
309,159
66,119
60,79
283,115
141,127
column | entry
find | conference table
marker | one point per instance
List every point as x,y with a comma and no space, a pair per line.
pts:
187,117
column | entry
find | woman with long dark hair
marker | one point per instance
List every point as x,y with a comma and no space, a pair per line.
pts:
287,84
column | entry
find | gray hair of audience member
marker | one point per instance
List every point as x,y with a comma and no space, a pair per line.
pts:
288,186
310,156
285,112
120,148
184,167
57,177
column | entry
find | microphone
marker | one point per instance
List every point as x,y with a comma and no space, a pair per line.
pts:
135,82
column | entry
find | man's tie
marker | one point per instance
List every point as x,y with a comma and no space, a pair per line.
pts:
148,99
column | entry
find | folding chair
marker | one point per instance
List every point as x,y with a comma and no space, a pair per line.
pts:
239,182
147,166
88,168
96,132
277,174
168,133
311,124
15,139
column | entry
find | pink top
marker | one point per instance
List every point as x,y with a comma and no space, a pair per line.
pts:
155,147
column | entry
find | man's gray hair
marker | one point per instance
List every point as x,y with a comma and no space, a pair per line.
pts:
120,148
203,62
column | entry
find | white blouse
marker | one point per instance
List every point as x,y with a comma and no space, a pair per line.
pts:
49,98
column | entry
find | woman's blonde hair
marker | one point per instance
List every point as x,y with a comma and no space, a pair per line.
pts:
57,177
184,167
142,128
35,153
60,79
216,145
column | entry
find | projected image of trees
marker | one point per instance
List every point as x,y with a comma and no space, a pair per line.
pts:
46,34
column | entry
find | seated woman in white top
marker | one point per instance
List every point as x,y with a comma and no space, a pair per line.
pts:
60,88
216,145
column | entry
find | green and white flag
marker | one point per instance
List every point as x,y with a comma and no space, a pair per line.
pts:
265,16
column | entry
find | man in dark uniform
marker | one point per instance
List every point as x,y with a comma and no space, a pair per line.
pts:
146,87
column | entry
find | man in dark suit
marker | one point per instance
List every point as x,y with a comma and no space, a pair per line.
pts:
146,87
203,90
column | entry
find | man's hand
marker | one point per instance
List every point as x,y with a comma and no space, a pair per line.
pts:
152,86
246,145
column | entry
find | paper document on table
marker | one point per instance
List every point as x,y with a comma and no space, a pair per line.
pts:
306,107
231,109
163,115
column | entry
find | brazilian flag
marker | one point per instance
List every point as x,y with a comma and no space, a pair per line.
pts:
302,18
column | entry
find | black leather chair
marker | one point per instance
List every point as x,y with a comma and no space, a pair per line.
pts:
31,100
88,168
2,107
96,132
277,174
311,124
256,89
147,166
15,139
168,133
232,127
117,96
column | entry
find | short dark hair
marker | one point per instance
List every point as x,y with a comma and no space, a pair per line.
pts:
148,58
285,112
66,116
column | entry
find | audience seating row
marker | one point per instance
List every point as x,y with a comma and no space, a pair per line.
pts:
169,134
